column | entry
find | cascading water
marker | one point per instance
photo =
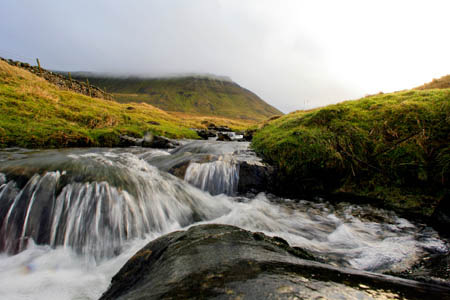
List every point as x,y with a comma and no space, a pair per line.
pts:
217,177
94,217
73,217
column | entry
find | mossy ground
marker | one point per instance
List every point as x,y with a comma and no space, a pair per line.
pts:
36,114
388,146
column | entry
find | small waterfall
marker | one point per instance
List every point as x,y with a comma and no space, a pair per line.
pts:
106,204
95,217
217,177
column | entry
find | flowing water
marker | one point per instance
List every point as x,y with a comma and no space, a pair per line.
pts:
69,219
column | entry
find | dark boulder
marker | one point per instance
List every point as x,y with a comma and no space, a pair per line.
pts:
206,134
223,137
179,170
149,141
202,133
128,141
248,135
441,215
213,127
226,262
154,141
255,177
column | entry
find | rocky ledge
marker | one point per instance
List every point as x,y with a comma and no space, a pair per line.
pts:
226,262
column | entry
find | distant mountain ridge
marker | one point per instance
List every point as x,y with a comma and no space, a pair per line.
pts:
194,94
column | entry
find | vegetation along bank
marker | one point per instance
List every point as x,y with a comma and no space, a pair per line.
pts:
391,148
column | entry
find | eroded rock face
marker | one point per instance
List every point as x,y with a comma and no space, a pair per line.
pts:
226,262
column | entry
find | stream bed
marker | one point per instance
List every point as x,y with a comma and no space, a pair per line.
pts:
71,218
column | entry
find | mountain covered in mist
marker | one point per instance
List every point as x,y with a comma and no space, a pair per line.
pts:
190,94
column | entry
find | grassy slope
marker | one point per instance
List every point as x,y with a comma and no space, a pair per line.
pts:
389,146
190,95
441,83
35,113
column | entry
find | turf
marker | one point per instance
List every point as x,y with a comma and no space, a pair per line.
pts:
393,147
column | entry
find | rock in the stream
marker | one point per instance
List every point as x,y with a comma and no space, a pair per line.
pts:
441,215
213,127
149,140
226,262
254,177
205,134
223,137
127,141
248,135
154,141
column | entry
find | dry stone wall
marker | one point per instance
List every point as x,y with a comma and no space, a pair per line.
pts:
61,81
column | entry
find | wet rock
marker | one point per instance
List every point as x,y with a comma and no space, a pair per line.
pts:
180,169
248,135
128,141
213,127
254,177
434,268
226,262
441,215
223,137
206,134
154,141
149,141
202,133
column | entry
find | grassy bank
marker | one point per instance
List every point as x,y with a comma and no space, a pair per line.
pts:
35,113
393,147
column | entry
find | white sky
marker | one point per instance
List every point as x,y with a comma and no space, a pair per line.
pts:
294,54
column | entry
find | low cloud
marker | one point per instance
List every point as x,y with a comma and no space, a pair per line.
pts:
294,54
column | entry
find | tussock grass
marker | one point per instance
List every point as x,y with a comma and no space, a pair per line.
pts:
440,83
389,146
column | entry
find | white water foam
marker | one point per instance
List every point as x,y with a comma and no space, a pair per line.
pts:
217,177
109,223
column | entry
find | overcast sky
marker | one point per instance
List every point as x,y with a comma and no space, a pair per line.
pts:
293,54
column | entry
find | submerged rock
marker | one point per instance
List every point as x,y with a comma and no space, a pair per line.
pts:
226,262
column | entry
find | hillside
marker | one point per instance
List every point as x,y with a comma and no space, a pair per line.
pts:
36,113
392,147
193,95
441,83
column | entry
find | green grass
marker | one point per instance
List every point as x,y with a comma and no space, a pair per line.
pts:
191,95
36,114
393,147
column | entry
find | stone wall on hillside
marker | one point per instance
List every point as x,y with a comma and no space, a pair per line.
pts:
61,81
